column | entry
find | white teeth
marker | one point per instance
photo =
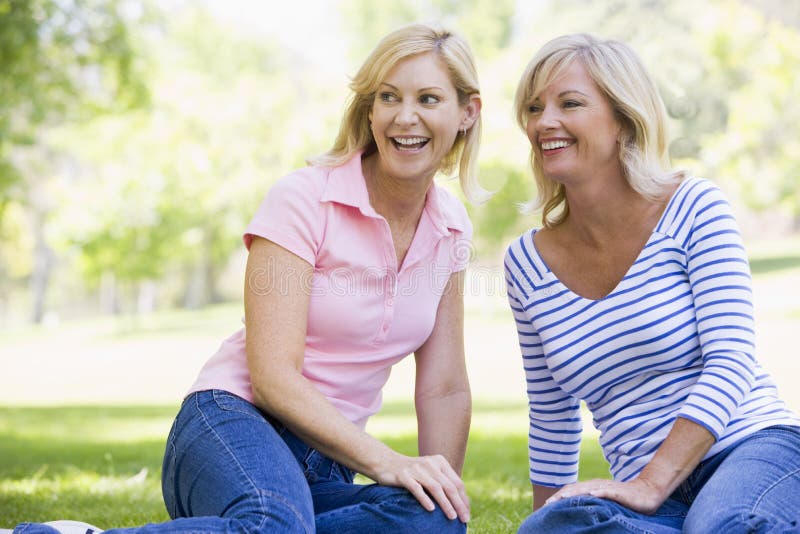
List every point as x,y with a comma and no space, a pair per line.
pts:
410,140
550,145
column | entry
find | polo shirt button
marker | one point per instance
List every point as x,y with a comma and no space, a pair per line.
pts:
390,302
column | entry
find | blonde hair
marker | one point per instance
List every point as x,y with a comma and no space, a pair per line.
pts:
623,78
354,131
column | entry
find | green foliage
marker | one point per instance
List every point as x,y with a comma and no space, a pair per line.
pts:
137,138
501,218
181,179
487,24
759,152
61,60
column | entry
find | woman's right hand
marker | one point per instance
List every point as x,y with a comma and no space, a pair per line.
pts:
276,311
429,479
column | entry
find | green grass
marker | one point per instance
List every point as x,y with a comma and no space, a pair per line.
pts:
103,464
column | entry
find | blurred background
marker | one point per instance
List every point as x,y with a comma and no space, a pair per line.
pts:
138,137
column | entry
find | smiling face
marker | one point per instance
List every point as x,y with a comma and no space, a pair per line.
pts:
416,116
573,129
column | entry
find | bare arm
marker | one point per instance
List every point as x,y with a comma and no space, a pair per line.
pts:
277,296
679,454
541,494
442,393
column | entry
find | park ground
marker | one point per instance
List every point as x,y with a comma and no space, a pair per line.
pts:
85,405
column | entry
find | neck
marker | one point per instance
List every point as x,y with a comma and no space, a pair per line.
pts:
600,214
396,200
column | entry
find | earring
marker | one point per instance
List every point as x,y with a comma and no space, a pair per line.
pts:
464,131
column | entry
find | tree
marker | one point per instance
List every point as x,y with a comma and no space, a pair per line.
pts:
178,181
62,61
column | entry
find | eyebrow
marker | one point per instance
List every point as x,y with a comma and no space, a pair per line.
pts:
568,91
562,94
436,87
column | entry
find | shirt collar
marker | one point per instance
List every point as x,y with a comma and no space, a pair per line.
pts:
346,185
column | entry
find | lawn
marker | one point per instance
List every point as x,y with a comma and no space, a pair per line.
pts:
85,405
102,464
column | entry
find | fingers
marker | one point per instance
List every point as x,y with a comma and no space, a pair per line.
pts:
431,478
633,494
598,488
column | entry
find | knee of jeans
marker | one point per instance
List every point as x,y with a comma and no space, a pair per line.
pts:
412,518
733,521
581,510
271,512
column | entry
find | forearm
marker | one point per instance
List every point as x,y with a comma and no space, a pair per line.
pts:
292,399
441,385
679,454
541,494
443,425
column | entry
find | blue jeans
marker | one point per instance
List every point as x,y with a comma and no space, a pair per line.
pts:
753,487
230,468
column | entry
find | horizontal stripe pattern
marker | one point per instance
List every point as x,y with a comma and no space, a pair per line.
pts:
674,338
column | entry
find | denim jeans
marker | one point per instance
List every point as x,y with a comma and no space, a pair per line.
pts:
751,487
230,468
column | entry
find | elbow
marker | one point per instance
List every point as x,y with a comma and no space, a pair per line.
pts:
271,387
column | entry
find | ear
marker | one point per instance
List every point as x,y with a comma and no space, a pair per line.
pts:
471,112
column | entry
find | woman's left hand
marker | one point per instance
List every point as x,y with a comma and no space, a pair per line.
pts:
637,494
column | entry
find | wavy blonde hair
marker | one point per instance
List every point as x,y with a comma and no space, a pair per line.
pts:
623,78
411,40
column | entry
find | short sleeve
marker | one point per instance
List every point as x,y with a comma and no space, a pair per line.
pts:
291,215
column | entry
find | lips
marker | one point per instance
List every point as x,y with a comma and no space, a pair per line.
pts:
409,143
554,144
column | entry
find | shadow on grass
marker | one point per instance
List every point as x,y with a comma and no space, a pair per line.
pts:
774,264
54,465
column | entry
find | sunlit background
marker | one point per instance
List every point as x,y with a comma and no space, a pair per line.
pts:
138,137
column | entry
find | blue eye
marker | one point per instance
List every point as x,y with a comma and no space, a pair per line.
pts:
534,108
572,104
386,97
429,99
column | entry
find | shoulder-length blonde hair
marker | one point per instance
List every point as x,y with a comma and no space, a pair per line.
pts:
354,131
623,78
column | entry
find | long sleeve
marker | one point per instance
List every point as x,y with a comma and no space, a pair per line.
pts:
554,435
719,276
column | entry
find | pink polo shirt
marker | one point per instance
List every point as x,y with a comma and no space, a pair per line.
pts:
364,315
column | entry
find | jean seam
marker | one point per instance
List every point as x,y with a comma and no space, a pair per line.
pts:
243,471
764,493
217,393
614,517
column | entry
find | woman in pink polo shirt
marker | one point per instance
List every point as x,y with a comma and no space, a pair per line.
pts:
354,263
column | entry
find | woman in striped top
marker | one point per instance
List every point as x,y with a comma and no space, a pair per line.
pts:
635,298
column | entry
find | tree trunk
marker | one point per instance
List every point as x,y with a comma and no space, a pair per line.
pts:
43,258
146,303
109,296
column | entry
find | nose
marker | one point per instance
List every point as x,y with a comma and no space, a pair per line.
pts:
548,119
407,114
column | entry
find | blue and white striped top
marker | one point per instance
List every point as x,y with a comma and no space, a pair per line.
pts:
674,338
